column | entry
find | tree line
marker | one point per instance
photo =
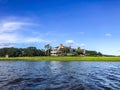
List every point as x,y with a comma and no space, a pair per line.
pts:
33,51
20,52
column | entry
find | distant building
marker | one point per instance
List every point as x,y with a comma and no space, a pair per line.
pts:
60,46
84,51
6,56
56,51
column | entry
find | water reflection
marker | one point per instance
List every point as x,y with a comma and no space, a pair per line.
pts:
55,67
54,75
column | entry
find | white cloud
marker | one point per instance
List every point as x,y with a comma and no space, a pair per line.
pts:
32,40
76,44
81,32
2,45
108,34
69,41
9,33
10,26
8,38
80,45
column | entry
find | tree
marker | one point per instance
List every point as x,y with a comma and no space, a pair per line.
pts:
91,53
47,49
30,51
99,54
3,52
79,51
13,52
65,50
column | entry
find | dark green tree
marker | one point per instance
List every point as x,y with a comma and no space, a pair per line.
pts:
79,51
65,50
47,49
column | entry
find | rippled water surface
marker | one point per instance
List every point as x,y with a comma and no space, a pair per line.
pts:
54,75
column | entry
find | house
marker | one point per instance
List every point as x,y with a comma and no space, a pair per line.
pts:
6,55
57,51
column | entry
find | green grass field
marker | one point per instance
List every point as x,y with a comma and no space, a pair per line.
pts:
63,58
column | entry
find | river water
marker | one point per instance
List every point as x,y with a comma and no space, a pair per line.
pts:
54,75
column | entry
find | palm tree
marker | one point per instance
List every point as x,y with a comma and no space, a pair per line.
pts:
47,49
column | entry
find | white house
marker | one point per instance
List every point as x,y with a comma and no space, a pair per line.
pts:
56,51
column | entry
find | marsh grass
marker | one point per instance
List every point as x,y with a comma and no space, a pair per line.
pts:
62,58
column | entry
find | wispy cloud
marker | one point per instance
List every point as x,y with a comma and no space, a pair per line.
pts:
69,42
75,43
108,34
81,32
33,40
80,45
11,26
6,45
9,33
8,38
117,51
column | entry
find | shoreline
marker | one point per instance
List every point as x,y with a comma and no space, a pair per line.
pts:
61,58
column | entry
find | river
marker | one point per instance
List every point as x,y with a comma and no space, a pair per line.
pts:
55,75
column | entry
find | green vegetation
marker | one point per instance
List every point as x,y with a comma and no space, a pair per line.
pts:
79,51
33,51
63,58
68,54
47,49
21,52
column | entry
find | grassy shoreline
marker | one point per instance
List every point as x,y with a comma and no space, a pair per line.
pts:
62,58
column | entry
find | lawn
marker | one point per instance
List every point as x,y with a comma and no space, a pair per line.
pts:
63,58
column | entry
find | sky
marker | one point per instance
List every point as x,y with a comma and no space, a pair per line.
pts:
89,24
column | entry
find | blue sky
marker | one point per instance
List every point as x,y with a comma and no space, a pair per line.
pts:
90,24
